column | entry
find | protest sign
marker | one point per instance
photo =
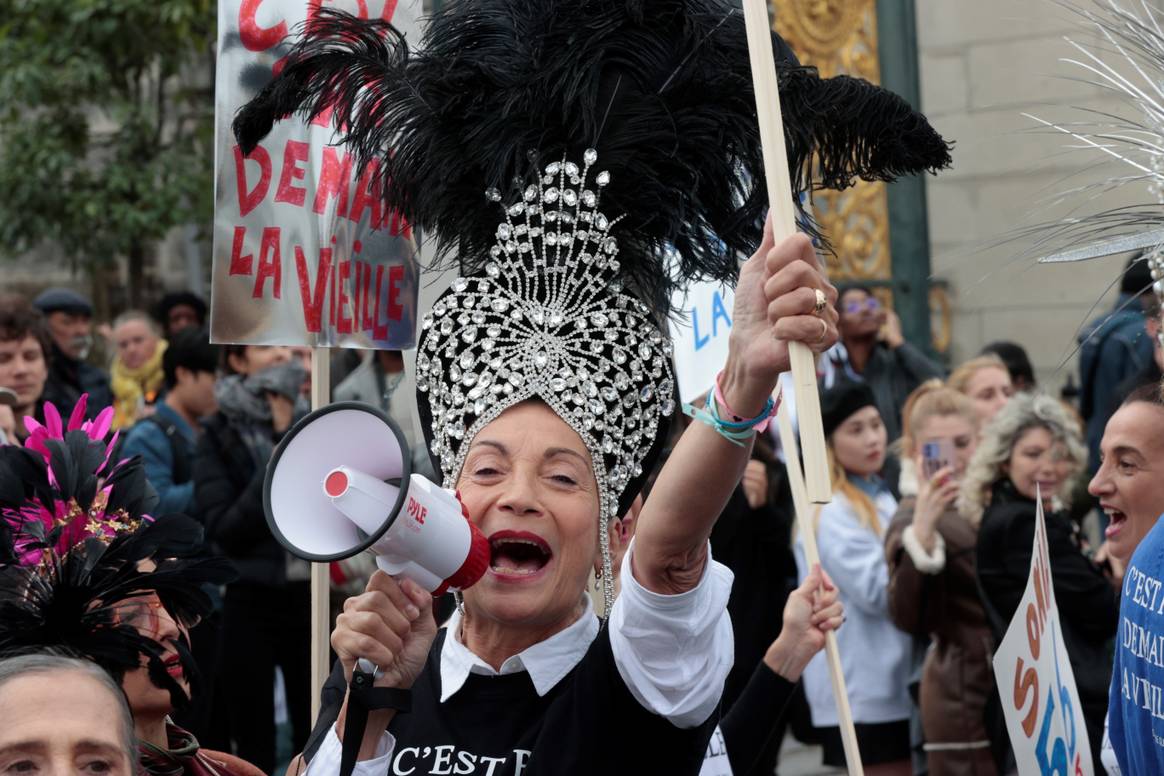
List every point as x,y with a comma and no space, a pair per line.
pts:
701,341
1044,717
700,332
701,336
305,250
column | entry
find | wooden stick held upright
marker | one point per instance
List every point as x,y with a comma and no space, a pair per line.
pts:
320,580
806,524
784,225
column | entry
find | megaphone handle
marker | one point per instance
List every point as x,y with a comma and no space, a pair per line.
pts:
363,697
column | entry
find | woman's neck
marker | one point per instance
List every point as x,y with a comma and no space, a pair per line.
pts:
152,730
495,642
871,483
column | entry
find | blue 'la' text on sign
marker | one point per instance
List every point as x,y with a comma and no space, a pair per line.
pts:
718,310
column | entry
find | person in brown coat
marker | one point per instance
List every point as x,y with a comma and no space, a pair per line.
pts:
932,589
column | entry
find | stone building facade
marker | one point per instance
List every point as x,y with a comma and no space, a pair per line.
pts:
982,65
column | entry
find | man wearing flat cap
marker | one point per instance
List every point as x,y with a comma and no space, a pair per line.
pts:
70,322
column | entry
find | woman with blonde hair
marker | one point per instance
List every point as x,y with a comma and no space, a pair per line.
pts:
1033,449
933,592
986,381
850,532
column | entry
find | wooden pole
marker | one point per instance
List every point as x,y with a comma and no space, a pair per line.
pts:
784,225
320,581
806,524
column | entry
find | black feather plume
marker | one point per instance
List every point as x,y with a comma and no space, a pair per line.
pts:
77,545
662,90
72,602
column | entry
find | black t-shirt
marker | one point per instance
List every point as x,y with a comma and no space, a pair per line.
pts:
588,723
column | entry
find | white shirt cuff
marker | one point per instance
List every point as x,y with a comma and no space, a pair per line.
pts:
674,651
327,759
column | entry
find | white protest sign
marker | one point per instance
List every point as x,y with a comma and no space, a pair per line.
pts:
701,337
1044,717
306,252
701,333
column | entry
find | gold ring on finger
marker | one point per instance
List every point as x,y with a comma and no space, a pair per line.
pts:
824,331
821,302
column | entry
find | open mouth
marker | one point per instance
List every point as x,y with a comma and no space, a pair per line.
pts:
1116,520
173,665
518,553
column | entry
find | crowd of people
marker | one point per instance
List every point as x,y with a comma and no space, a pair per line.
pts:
203,420
935,476
652,603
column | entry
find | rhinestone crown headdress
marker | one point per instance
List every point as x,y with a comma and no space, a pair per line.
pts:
549,319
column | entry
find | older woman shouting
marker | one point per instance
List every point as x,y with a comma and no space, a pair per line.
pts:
524,677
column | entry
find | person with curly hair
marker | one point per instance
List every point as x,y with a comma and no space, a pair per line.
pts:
1033,449
933,593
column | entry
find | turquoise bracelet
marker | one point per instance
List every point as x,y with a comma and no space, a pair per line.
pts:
736,433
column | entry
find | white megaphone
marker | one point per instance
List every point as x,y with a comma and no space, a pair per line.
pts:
340,483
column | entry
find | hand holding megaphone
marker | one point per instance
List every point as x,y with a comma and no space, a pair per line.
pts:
340,483
391,625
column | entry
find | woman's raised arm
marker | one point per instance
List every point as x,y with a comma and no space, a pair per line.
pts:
774,305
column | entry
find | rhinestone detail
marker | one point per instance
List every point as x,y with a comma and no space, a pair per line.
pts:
555,324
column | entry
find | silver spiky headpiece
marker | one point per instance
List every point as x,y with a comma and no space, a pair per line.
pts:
1128,63
548,319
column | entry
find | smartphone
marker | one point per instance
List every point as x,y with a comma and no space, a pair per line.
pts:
936,454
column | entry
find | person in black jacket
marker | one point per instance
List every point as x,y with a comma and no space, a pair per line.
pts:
266,612
1033,441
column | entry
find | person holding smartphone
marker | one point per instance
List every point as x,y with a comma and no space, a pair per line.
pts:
932,589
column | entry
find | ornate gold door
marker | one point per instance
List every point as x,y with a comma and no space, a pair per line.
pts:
835,37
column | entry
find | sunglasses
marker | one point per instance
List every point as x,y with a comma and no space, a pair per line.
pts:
869,305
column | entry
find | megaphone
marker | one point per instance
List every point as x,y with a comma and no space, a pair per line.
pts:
340,482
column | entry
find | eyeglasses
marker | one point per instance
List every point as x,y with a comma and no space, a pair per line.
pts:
145,613
871,305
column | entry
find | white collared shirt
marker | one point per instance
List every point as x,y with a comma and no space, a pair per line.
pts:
546,662
672,651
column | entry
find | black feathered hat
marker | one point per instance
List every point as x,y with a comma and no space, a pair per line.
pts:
78,552
663,90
